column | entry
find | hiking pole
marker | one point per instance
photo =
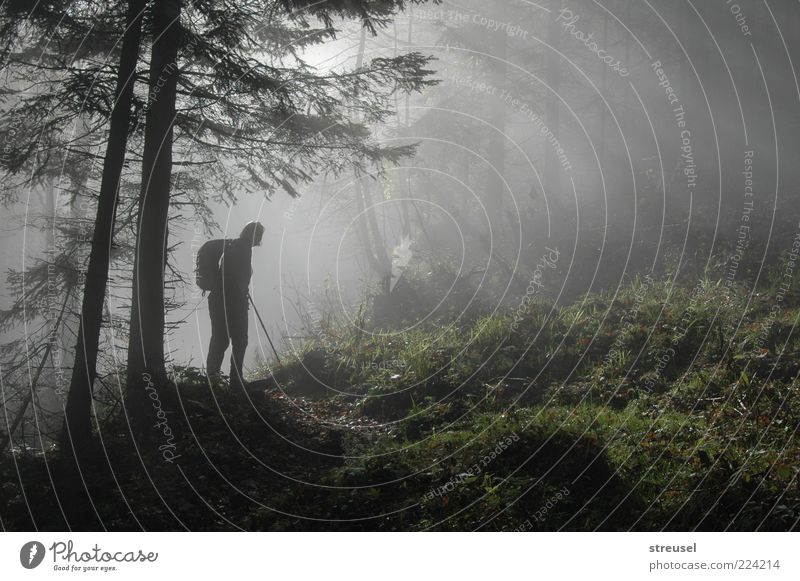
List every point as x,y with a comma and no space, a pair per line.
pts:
263,326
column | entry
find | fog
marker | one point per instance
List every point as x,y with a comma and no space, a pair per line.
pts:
616,138
525,265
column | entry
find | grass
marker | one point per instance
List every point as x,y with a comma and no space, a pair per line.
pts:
662,407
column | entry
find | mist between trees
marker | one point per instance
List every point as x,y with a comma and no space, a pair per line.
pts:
420,168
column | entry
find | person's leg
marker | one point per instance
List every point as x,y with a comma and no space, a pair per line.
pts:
219,334
237,327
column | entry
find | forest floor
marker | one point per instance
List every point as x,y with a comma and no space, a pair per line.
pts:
673,408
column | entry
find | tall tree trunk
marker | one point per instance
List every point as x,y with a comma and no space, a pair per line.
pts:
377,256
77,417
146,339
384,261
371,245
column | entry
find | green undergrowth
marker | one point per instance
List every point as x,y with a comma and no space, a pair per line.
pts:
659,407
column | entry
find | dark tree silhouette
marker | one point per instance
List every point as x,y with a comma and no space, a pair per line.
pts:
78,55
230,92
77,424
146,338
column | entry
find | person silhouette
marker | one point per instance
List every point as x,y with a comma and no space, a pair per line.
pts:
228,303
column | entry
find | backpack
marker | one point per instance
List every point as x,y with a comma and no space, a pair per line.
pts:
207,271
